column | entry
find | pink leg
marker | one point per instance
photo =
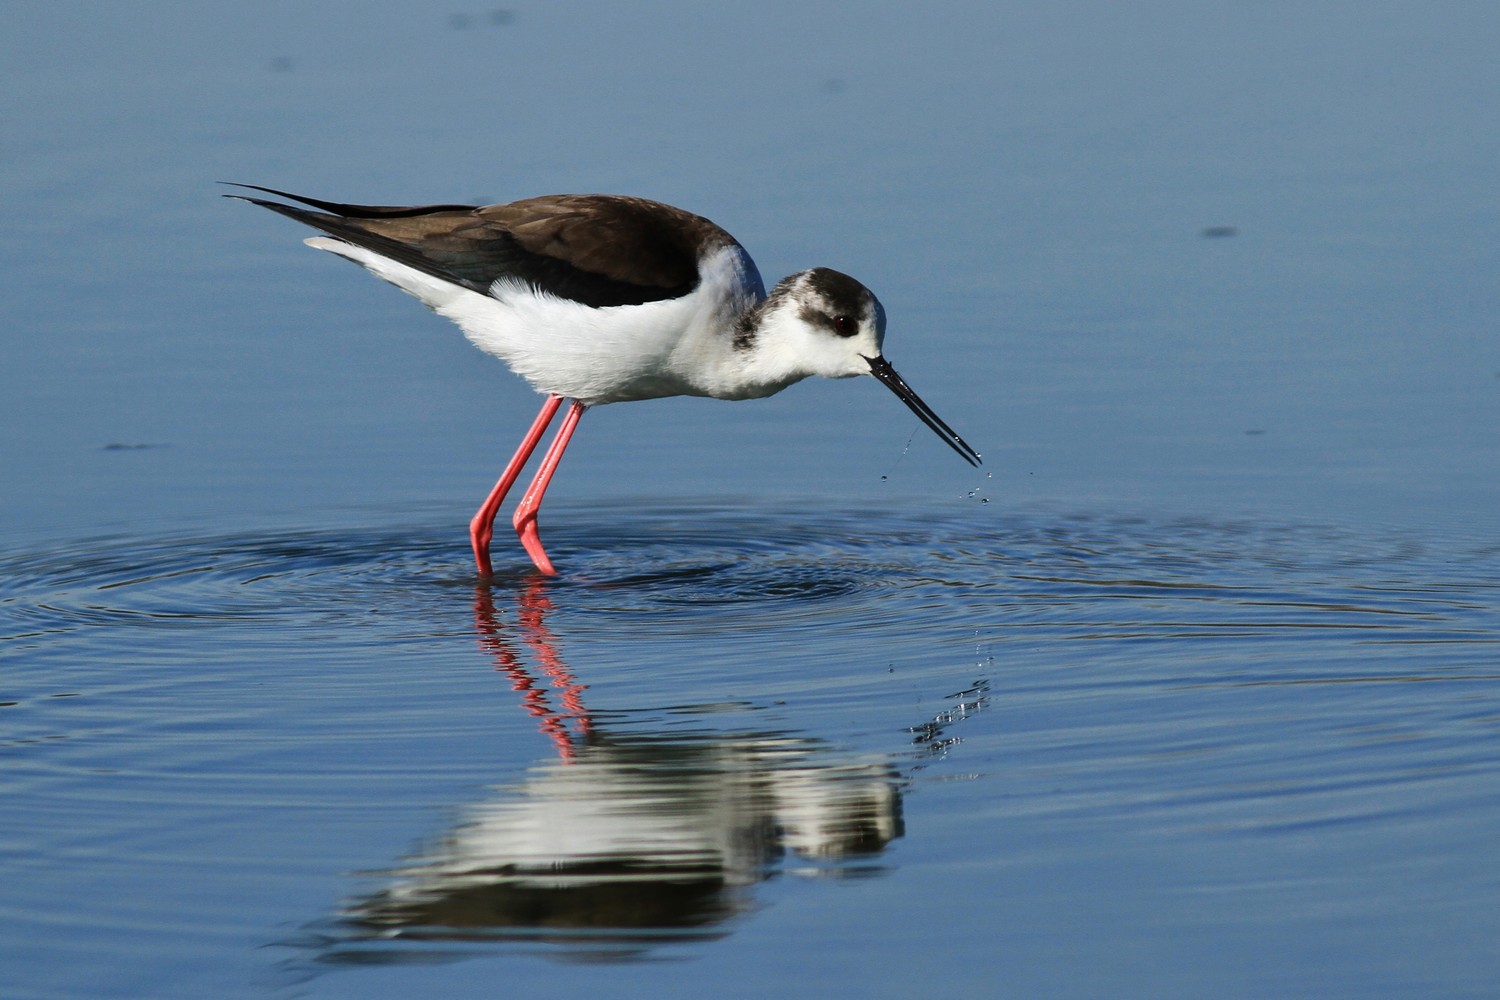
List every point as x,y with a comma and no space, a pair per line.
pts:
482,527
525,516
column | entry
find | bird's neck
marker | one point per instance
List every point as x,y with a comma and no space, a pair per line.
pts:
722,351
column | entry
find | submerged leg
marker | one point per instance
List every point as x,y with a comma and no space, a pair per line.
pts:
525,516
482,527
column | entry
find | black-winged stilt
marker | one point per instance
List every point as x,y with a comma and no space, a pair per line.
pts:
605,299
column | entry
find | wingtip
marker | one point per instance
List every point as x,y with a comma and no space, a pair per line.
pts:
333,208
257,187
252,200
247,187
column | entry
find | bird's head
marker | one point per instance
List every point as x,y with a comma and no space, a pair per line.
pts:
822,322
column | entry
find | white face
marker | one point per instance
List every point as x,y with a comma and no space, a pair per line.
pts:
826,323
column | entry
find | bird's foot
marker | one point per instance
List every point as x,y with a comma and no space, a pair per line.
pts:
480,531
526,530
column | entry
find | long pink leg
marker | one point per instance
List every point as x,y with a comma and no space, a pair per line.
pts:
482,527
525,516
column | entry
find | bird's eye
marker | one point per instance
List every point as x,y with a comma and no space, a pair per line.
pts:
845,326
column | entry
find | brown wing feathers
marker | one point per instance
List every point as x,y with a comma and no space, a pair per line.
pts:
601,250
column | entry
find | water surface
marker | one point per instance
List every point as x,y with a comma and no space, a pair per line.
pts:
318,757
1191,690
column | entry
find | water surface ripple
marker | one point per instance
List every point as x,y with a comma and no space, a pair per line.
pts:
341,749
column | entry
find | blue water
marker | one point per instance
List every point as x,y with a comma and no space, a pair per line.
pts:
1193,689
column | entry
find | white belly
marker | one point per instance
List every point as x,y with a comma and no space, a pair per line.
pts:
672,347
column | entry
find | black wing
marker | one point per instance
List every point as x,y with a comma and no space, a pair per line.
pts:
600,250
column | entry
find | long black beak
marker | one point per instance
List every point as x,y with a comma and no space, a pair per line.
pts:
881,369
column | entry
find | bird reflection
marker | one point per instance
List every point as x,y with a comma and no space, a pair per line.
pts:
623,839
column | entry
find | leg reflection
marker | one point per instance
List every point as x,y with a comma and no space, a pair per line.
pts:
566,728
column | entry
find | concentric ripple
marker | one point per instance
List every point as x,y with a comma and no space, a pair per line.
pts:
1078,576
347,732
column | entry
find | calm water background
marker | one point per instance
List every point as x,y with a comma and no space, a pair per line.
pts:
1193,690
